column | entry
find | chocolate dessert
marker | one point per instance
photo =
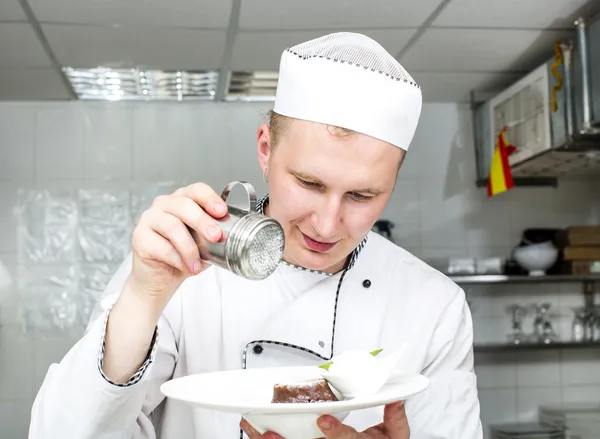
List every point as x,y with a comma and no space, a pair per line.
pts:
306,391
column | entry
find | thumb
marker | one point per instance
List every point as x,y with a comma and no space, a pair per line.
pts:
395,422
334,429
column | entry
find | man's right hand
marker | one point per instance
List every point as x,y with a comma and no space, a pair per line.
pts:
164,255
164,250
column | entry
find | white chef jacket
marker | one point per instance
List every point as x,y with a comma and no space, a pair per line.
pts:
216,321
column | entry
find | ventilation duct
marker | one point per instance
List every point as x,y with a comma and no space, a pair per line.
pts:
551,141
252,86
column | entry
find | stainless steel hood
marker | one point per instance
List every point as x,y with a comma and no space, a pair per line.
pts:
568,138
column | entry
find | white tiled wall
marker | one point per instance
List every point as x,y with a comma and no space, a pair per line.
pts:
437,210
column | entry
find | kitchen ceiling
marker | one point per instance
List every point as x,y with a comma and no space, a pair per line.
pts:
450,46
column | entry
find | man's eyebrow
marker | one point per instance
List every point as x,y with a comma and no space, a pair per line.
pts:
305,176
370,191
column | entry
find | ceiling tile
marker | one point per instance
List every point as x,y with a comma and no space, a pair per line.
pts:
32,84
334,14
531,14
455,87
171,13
92,46
19,47
262,50
481,50
10,10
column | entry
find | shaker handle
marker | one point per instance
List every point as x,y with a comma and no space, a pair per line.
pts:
249,190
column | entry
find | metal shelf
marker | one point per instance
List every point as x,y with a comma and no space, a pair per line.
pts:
525,182
499,348
502,278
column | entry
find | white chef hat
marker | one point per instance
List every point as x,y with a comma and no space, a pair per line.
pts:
349,80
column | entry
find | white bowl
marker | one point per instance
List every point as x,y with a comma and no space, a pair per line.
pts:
536,258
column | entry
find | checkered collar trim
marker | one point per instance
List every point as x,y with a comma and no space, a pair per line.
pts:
261,205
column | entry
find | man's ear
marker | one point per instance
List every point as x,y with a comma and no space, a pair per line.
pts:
263,146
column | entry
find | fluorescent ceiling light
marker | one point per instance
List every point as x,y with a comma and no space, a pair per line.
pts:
252,86
103,83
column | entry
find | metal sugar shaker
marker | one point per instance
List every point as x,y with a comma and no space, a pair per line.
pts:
251,245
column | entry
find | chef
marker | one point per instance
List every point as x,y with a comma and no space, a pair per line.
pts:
344,117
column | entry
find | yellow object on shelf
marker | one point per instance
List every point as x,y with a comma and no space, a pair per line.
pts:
558,60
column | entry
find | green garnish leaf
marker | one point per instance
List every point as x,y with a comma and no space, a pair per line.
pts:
326,365
374,353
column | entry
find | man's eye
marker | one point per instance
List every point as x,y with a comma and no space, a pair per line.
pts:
360,197
308,183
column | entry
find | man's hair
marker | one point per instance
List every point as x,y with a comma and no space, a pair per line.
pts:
278,124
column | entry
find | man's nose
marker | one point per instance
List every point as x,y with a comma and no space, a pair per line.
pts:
327,218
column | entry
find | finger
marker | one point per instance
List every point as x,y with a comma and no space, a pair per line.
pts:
394,419
249,430
172,229
253,434
376,432
206,197
334,429
191,214
154,246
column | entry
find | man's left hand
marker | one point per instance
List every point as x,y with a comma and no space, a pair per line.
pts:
394,426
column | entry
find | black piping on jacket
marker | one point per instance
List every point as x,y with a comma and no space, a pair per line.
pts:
260,208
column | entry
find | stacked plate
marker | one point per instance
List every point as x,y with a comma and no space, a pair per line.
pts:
525,430
578,421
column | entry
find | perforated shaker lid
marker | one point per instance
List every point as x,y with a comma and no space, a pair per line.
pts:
255,246
265,251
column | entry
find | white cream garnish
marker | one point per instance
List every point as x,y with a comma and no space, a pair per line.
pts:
353,362
358,373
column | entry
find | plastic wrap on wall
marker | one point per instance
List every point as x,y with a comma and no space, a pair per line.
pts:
143,196
69,244
47,255
6,283
93,280
46,228
104,225
104,232
49,296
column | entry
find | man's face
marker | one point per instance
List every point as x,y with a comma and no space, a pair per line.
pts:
326,190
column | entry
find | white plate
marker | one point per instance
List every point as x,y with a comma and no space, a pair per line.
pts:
250,391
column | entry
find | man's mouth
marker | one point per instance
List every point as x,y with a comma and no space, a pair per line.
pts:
318,245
